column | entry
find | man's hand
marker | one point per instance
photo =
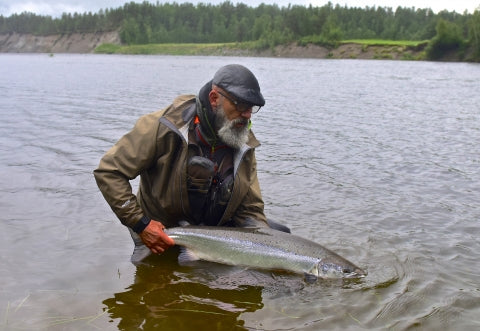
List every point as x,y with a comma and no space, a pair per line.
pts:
155,238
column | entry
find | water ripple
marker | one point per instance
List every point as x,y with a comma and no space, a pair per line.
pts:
376,160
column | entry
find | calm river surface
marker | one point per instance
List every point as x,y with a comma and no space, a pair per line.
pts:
377,160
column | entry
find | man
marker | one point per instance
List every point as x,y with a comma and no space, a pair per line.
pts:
196,163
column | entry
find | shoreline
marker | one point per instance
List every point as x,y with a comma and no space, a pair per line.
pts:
86,43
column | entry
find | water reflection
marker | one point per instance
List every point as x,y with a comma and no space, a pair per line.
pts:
205,295
166,296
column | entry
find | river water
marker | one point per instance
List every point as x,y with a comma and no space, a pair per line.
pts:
376,160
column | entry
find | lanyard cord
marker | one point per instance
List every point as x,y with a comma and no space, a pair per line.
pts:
213,147
212,131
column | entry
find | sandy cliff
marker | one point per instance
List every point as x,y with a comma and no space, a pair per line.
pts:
71,43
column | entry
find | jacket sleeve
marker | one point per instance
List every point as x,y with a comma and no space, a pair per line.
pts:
133,153
250,213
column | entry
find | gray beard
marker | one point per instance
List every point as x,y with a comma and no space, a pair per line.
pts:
227,131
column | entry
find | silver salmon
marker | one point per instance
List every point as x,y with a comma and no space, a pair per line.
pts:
262,248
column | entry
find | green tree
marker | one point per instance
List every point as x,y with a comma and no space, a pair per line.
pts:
130,31
331,33
448,38
474,33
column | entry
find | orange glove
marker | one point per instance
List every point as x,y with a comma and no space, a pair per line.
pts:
155,238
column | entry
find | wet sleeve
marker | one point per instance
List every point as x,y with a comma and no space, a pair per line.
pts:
133,153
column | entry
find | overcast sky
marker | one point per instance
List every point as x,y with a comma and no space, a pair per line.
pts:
57,7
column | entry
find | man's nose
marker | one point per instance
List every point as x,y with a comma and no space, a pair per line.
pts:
247,113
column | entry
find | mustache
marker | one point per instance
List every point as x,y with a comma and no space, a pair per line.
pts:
236,121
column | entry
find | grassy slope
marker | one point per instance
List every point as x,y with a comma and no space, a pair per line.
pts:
170,49
377,49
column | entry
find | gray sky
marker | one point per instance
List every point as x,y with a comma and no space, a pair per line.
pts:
57,7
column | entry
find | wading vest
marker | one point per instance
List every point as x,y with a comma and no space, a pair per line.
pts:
209,179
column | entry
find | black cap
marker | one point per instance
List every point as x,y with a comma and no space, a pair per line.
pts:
240,82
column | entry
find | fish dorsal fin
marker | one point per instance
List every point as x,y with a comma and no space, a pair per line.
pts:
186,256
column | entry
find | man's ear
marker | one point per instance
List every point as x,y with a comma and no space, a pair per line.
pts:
214,98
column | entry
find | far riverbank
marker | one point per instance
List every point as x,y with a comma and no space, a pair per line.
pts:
109,42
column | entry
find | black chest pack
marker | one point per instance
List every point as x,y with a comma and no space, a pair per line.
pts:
209,180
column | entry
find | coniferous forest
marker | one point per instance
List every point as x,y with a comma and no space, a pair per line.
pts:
267,25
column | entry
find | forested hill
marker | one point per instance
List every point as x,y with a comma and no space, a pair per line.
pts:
265,25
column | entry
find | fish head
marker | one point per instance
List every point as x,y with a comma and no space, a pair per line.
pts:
339,270
354,273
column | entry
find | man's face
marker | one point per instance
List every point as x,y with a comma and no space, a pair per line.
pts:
231,125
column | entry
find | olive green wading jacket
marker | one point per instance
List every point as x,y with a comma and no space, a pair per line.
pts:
157,150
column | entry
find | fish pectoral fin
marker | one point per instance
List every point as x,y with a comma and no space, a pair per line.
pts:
310,278
186,256
184,223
